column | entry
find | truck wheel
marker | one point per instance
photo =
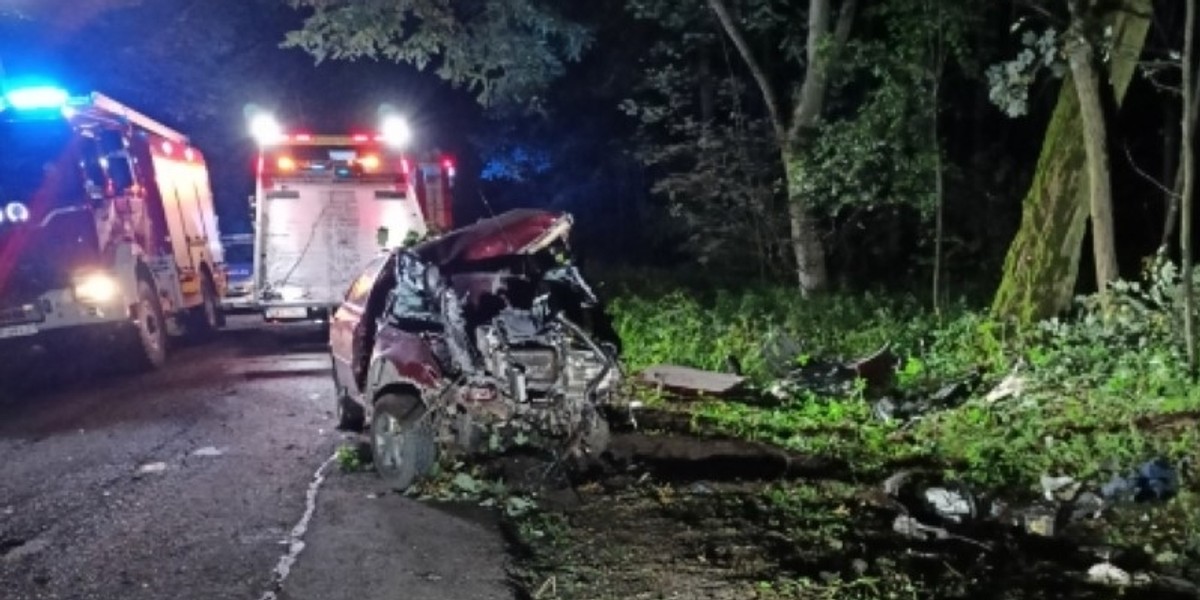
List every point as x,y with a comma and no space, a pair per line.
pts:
349,413
151,346
403,446
208,316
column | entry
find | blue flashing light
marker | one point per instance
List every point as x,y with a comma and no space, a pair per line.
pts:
36,97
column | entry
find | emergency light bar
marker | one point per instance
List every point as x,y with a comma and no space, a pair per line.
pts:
268,131
40,97
49,98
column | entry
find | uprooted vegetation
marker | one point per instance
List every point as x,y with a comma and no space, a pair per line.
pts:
997,462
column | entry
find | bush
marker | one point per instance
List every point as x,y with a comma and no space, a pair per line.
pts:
1096,387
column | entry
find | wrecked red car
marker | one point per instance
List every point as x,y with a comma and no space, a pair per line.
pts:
482,339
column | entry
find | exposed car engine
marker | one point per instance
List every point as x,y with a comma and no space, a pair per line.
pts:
524,369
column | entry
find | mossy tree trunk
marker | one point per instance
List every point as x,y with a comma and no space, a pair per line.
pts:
1043,261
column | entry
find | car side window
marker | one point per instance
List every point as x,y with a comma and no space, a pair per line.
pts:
409,299
361,288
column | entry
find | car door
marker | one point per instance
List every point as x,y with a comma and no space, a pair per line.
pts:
346,324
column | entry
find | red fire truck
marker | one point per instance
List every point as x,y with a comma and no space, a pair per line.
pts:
108,228
324,205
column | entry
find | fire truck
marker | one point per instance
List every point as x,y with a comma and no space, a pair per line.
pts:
324,205
108,231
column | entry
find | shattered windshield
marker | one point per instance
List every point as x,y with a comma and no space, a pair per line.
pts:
411,299
35,161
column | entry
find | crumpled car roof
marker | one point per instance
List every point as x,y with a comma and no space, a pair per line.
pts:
516,232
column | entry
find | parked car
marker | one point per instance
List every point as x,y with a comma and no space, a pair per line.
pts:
239,272
481,339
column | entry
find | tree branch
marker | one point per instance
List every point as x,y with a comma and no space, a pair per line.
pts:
812,92
760,76
1148,177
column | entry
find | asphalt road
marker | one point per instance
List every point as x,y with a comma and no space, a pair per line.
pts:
213,479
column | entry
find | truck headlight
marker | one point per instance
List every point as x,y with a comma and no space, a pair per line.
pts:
96,288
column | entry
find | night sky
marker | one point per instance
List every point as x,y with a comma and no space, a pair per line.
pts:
195,64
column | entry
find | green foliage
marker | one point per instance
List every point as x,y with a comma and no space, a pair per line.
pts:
755,324
877,148
350,458
1107,387
704,130
502,50
700,131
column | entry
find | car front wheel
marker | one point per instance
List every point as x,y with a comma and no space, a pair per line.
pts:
403,446
349,413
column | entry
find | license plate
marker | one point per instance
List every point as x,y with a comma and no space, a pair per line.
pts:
17,331
296,312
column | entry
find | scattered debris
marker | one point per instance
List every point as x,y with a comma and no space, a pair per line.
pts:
692,382
911,528
1063,488
926,497
208,451
1011,386
1038,519
894,407
154,467
1106,573
779,353
1152,481
548,589
878,370
956,506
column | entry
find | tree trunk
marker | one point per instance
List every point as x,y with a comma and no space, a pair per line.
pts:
1095,143
1172,218
1170,172
938,57
1187,159
939,206
1043,260
807,247
793,131
811,270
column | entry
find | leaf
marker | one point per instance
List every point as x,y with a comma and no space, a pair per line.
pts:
464,482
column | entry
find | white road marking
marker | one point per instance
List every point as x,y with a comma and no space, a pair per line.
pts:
295,539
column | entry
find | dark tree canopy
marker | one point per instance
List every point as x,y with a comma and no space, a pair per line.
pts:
500,50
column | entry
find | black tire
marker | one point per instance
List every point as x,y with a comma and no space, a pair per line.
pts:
403,443
349,413
150,332
208,317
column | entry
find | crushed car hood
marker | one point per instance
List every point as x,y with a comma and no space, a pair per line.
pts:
516,232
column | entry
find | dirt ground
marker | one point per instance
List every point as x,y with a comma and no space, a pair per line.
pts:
682,517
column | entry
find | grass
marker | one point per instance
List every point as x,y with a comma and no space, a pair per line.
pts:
1101,392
